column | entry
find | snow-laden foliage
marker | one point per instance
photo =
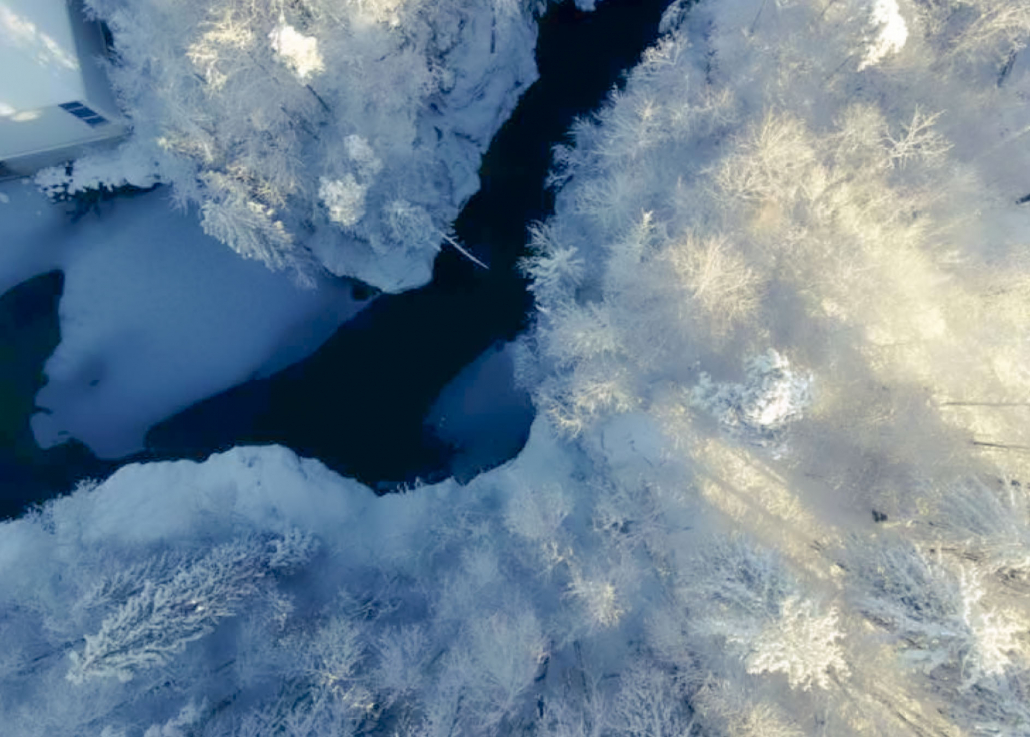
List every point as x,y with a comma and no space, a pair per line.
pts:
784,288
299,130
777,485
256,594
162,611
760,409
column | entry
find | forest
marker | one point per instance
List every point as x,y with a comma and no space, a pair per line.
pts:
777,483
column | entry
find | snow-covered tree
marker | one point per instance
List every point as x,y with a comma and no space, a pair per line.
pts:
158,617
649,702
313,134
778,484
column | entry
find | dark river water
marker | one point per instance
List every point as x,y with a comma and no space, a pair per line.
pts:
359,402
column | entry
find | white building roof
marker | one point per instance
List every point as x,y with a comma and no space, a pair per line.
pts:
39,64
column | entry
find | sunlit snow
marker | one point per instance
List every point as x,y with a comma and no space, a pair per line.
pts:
892,33
772,396
300,52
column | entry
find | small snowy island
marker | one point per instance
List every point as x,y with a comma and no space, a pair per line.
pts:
776,479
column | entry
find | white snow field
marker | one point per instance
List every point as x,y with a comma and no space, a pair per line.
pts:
778,482
155,315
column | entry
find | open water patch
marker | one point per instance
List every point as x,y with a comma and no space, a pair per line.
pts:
29,333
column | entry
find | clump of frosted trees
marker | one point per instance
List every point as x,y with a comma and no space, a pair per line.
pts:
786,283
312,134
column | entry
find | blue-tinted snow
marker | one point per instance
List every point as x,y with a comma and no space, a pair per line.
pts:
154,316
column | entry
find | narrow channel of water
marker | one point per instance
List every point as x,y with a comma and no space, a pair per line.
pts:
359,402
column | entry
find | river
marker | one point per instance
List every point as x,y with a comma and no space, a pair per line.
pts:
359,403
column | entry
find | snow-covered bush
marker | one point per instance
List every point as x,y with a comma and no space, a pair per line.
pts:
162,607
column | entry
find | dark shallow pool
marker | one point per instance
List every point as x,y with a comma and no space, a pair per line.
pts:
29,333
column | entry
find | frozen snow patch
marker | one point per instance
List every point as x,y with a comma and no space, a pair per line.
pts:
483,413
631,443
154,316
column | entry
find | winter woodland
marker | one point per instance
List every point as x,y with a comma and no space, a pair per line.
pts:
315,135
778,481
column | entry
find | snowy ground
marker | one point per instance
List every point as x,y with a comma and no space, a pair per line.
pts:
154,316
